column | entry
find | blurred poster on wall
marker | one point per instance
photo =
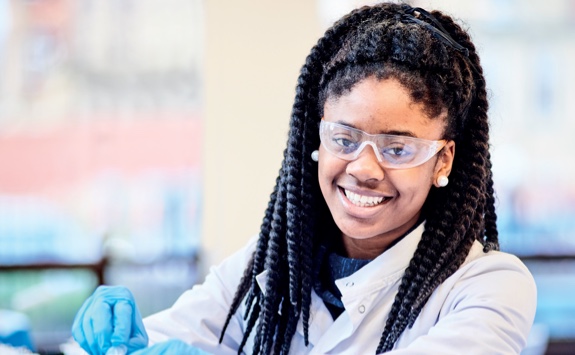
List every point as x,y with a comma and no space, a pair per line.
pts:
100,129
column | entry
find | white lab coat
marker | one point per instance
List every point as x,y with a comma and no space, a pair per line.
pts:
486,307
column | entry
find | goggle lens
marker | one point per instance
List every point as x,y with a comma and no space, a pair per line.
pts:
392,151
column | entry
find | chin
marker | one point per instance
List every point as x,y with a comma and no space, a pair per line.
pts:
359,233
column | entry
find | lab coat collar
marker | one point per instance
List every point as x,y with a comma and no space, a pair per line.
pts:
389,266
388,263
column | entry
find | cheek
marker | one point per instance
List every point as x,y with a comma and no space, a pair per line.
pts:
321,178
412,182
426,173
328,169
325,171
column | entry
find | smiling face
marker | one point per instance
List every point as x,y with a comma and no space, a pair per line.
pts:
372,205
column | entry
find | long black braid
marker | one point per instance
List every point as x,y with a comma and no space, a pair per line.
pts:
441,69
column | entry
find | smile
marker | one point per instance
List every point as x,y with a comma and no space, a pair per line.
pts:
362,200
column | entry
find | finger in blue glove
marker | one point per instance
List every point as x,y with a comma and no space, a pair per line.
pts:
109,318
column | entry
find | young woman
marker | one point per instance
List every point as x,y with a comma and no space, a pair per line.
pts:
380,235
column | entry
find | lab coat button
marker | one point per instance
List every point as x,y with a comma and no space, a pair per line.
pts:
349,284
362,309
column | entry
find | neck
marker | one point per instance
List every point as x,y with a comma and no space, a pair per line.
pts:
365,249
371,248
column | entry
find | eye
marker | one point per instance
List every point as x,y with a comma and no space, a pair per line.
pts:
345,142
398,152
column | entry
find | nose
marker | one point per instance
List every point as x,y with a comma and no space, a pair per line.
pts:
366,166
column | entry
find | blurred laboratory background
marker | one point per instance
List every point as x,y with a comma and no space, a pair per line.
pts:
140,140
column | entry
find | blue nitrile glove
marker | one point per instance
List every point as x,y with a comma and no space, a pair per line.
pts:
109,318
171,347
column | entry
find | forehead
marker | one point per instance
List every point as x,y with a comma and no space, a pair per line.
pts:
383,106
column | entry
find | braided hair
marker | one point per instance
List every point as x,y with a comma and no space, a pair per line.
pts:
434,58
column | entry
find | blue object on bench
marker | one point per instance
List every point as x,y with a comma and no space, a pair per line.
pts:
15,329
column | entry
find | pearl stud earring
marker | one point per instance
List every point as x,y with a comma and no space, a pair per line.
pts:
315,155
442,181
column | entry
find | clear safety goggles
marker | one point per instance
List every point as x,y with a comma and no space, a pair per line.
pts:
392,151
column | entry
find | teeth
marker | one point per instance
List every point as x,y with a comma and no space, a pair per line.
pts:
363,201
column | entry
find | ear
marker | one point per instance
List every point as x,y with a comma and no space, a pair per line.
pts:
444,162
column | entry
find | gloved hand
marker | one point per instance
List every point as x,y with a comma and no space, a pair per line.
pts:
171,347
109,318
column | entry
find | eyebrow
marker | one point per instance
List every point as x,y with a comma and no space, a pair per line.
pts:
393,132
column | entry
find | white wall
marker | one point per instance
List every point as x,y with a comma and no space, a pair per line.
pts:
254,50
